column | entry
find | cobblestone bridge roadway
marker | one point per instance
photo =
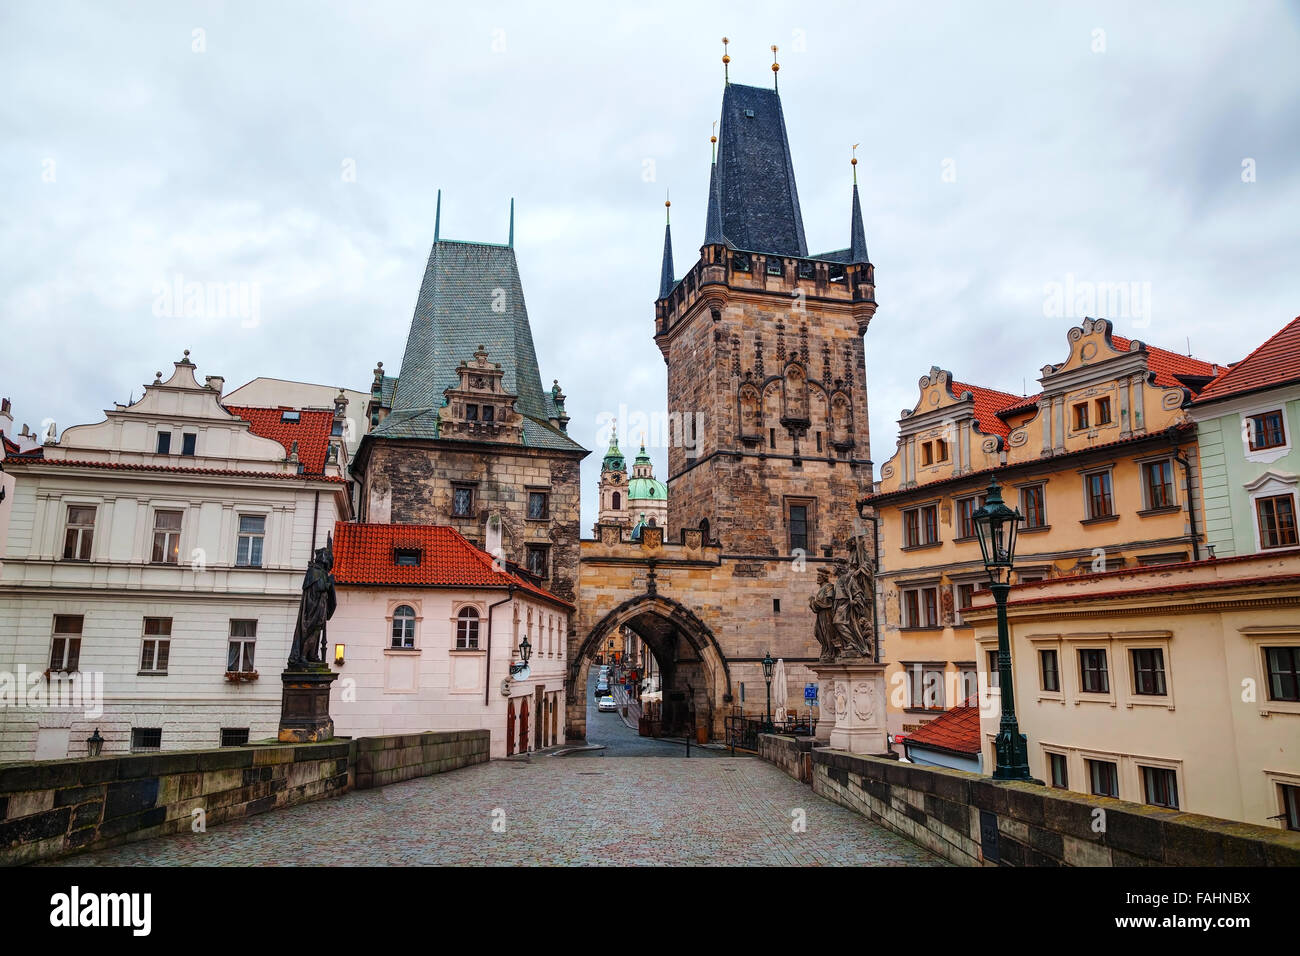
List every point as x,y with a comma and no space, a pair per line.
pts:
650,806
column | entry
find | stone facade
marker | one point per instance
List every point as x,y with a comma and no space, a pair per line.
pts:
414,482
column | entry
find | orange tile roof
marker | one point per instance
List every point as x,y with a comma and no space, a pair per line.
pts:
364,555
1168,364
955,731
988,403
1276,362
311,431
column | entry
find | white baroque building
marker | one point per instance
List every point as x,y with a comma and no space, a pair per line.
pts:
158,555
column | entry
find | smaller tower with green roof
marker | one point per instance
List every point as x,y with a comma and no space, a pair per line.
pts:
624,499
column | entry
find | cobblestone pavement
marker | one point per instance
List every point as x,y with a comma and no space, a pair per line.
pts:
611,731
557,811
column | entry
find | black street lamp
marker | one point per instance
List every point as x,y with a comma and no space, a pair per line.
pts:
525,649
768,664
996,525
95,744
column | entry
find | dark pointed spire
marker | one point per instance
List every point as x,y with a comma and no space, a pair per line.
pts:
667,278
511,240
857,234
437,217
713,224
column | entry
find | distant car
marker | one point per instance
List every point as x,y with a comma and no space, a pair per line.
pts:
606,703
602,690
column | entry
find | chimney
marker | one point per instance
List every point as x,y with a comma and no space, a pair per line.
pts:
215,382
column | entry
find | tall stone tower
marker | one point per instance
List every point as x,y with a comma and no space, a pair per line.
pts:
764,346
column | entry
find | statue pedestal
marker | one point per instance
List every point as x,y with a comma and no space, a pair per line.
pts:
855,692
305,705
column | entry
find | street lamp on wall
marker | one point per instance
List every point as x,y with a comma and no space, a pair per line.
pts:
338,654
996,526
95,744
768,664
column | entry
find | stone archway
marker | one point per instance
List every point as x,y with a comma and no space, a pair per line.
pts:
696,678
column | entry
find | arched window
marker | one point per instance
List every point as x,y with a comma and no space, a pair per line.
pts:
467,629
618,501
403,627
652,523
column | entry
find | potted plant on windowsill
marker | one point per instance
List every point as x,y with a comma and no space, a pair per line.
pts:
236,677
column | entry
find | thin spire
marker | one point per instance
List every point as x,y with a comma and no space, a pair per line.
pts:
437,217
776,70
511,241
726,60
857,232
713,224
666,274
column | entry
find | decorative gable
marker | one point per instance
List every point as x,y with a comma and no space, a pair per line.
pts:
479,408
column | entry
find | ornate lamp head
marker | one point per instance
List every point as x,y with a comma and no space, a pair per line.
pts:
996,526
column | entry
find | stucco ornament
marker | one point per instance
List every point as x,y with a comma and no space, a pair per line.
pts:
841,699
864,700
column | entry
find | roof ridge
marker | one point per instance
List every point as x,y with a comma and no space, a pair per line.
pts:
1230,370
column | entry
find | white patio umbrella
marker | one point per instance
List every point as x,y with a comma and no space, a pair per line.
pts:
780,693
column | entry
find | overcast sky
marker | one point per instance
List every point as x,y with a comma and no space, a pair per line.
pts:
298,148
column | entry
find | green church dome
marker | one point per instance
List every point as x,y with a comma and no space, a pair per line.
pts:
639,488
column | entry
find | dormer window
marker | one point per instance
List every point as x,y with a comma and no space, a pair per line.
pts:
775,267
471,413
836,273
806,270
406,557
489,413
290,416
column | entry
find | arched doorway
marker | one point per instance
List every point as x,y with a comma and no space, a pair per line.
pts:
523,725
695,678
510,727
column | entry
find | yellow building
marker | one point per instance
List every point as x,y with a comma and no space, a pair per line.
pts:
1100,463
1171,686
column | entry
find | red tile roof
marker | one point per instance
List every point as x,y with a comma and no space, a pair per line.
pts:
30,459
1168,364
954,731
1276,362
988,403
311,431
364,554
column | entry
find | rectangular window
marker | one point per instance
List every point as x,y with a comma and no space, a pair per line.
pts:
234,736
966,508
146,738
539,505
166,537
1033,506
157,645
911,528
80,533
164,443
252,535
932,688
243,641
471,413
1290,805
65,649
995,672
771,438
1158,480
970,682
799,528
1148,671
537,559
406,557
336,430
1100,502
462,501
965,595
927,454
1266,431
1276,515
1103,777
1092,671
1160,784
189,442
1049,670
922,606
489,413
1103,411
940,450
929,524
775,267
1080,416
1060,775
289,415
1283,664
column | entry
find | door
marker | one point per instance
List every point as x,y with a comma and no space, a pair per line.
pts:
523,725
510,727
540,711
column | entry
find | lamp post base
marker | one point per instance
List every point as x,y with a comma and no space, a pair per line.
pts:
1013,757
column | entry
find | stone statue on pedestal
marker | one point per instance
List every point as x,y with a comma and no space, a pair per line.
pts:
316,607
845,607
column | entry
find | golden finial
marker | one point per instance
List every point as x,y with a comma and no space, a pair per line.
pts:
726,59
854,163
776,67
713,142
667,205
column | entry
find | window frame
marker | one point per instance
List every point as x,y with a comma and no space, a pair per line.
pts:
1149,501
1090,763
924,599
241,535
531,548
1041,489
1252,431
1160,672
408,622
469,488
70,659
545,495
1089,498
170,550
1292,651
1257,501
245,656
85,533
809,506
1044,671
1052,757
1084,670
138,734
467,628
159,641
1168,776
